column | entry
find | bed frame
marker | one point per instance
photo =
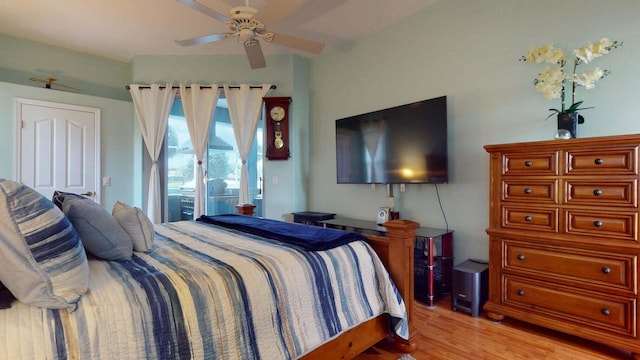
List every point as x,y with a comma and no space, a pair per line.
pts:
396,252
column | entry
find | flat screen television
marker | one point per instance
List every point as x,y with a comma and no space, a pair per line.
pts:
401,145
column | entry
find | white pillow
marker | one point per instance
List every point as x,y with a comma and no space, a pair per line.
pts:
136,224
42,261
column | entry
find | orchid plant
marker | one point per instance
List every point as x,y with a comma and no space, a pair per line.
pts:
551,81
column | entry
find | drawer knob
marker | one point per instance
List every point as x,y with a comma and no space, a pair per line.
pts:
597,223
520,257
527,191
520,292
605,311
606,270
528,218
598,161
597,192
528,163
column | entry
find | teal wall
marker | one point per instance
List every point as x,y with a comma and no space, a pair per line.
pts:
469,51
120,139
300,142
101,83
22,59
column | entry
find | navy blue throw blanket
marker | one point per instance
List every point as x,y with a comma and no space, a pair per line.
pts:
6,297
313,238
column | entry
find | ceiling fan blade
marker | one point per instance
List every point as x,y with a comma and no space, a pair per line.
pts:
203,39
219,13
40,80
275,10
51,83
69,88
297,43
255,55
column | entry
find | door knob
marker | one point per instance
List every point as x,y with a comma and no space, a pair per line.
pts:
88,193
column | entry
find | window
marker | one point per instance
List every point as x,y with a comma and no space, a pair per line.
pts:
222,162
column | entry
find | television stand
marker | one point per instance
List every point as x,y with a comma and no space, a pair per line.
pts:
433,246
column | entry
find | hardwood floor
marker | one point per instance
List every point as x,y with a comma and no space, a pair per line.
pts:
449,335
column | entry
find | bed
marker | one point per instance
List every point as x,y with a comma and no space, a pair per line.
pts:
206,291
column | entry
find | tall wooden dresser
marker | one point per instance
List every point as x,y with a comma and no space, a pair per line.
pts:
563,236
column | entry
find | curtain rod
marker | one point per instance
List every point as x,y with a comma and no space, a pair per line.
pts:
202,87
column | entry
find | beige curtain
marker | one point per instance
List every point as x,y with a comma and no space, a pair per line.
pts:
199,106
245,105
152,106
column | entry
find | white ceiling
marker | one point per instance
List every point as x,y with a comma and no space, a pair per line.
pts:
120,29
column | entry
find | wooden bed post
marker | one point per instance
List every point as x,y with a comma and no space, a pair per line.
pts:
396,253
402,237
245,209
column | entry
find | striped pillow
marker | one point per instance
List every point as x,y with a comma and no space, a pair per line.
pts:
42,259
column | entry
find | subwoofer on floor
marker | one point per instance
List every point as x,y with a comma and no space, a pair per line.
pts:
470,286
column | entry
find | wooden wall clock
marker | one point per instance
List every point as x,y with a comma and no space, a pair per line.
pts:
277,124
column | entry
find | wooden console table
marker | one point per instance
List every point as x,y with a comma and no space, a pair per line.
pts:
311,217
429,241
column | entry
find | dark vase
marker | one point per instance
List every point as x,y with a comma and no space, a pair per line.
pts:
569,122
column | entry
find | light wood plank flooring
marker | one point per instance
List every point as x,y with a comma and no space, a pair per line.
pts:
449,335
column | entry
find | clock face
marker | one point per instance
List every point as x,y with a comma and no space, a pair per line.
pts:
277,113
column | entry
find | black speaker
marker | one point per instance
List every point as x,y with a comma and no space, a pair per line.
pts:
470,286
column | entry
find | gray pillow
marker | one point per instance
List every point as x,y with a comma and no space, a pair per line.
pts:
42,261
59,196
135,223
99,231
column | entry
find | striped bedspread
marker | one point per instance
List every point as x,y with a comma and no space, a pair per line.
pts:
209,293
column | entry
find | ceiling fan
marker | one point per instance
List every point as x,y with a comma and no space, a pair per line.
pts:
50,83
249,24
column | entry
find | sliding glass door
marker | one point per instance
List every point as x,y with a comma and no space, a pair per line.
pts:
222,163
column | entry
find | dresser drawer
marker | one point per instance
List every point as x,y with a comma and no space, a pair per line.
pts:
596,310
534,163
619,225
585,268
530,218
530,190
602,192
613,160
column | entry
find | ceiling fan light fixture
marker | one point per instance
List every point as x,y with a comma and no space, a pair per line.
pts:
246,35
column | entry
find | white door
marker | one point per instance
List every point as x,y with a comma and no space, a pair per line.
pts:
58,147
